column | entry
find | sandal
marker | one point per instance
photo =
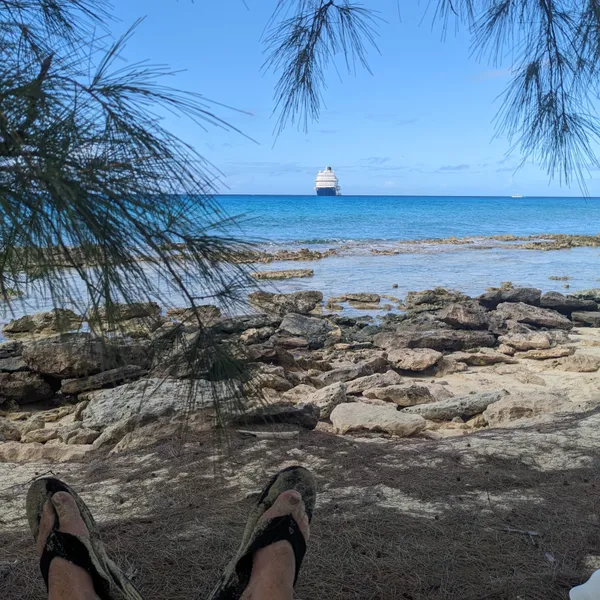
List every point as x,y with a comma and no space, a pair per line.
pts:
236,577
109,581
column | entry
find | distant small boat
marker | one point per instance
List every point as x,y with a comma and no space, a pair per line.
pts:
516,196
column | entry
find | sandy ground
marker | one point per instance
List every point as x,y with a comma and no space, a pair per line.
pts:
502,514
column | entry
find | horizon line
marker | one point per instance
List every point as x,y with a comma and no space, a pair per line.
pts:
409,196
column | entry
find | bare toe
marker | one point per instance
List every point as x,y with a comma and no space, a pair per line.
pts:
290,503
69,517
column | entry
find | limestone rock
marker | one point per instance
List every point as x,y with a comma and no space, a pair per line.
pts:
506,349
432,299
303,415
59,452
10,349
586,319
536,340
148,399
377,380
533,315
284,274
115,433
298,394
358,416
402,395
481,359
12,364
289,342
420,359
327,398
281,304
254,336
78,412
9,432
530,378
271,380
547,353
308,327
24,387
72,356
123,312
467,315
55,321
523,295
525,405
105,379
363,298
345,373
566,304
580,363
83,436
41,436
464,406
207,314
439,339
243,322
593,294
447,366
33,423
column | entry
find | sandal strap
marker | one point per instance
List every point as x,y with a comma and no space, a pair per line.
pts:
65,545
284,528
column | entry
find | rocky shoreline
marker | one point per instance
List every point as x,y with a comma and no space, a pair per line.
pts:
449,365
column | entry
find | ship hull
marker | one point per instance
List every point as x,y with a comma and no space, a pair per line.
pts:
326,192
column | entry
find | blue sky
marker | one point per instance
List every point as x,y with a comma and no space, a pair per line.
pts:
422,123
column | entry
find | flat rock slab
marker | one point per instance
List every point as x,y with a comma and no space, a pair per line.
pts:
566,304
465,315
545,354
358,416
436,339
101,380
481,359
586,318
281,304
148,399
377,380
301,325
303,415
533,315
419,359
524,295
12,364
525,405
464,406
24,387
346,373
534,340
327,398
402,395
285,274
580,363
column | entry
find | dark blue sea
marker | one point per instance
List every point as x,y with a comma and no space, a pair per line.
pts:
308,220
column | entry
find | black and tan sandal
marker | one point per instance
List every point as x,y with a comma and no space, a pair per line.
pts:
110,583
236,577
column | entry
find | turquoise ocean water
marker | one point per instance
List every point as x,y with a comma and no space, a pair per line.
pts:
355,225
306,220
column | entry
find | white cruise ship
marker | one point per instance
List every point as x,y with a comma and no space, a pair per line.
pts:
327,183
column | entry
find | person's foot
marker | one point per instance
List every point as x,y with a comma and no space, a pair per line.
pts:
66,581
274,567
